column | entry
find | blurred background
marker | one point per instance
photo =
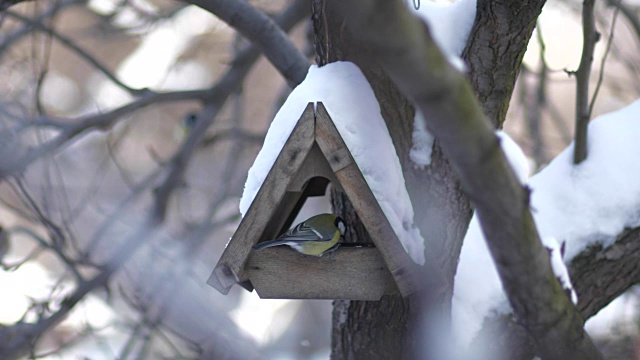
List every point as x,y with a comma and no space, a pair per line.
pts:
107,92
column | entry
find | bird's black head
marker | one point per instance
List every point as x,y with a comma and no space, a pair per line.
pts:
341,225
190,120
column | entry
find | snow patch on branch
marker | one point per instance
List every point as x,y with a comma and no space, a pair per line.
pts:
573,206
422,142
477,289
450,25
597,199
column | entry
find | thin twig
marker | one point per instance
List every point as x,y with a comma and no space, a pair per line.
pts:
534,113
79,51
233,134
73,128
604,59
230,83
590,36
10,39
630,13
28,335
215,95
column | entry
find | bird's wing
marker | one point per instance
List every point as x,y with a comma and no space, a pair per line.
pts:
303,232
297,235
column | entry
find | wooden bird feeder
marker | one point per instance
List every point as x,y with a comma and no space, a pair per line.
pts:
314,155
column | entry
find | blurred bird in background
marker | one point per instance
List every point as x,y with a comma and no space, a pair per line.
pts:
315,236
187,124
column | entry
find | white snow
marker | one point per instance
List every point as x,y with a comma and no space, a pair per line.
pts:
422,142
477,288
477,291
353,107
597,199
450,25
575,205
558,265
515,156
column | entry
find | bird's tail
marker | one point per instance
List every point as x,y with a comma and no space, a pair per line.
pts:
268,244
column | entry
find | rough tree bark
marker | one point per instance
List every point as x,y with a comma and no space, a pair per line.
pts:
599,275
443,216
361,329
442,211
405,48
494,51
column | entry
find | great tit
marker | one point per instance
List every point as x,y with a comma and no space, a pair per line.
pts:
314,236
188,123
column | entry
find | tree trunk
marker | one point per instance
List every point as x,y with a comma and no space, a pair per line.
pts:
366,329
387,328
495,49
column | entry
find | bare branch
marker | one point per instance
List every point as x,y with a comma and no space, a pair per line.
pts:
233,134
16,340
178,163
77,50
535,105
216,95
598,274
73,128
604,60
589,38
406,50
628,12
57,6
230,83
263,32
5,4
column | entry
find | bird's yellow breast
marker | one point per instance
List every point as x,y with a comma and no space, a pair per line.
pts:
316,248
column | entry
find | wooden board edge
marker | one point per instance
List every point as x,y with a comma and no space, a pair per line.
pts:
321,275
401,266
229,271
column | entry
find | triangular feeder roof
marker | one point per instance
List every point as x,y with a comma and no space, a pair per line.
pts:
314,151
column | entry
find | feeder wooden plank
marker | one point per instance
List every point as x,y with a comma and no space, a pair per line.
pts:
311,180
315,165
403,269
351,273
229,269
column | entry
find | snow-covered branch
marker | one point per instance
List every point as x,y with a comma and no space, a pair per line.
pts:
404,47
599,275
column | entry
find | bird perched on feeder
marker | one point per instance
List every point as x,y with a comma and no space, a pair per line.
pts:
314,236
